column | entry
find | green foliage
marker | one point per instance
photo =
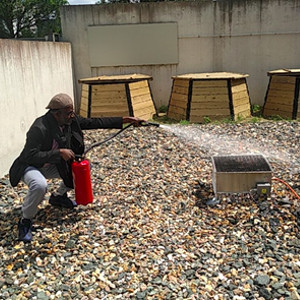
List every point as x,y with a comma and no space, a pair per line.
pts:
227,121
255,120
164,119
276,118
257,110
184,122
163,109
206,120
29,18
239,118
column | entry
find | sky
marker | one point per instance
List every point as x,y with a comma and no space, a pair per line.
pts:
75,2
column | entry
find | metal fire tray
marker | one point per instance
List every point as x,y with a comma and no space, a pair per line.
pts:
240,173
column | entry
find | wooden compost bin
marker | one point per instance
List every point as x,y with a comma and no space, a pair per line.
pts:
116,96
282,96
216,96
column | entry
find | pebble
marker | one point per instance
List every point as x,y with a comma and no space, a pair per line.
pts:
149,234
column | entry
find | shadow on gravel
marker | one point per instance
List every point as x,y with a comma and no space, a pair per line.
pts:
47,217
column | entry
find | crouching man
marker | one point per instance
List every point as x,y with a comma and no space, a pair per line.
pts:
52,142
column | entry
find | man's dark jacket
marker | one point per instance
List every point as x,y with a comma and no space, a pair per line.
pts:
38,147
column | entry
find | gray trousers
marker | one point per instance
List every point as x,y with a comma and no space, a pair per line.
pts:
37,188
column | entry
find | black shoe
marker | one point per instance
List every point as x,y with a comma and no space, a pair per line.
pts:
25,230
61,201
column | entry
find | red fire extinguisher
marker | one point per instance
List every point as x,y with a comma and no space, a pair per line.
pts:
82,182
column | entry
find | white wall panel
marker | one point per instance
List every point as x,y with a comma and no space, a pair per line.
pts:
133,44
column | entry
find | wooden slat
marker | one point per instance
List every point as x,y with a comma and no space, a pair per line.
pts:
240,95
108,87
200,118
141,99
210,91
140,92
280,106
84,101
109,99
138,85
283,79
282,87
243,114
85,95
143,105
109,114
245,103
180,90
144,110
210,98
175,116
239,88
209,105
109,110
279,100
109,93
145,116
281,94
181,104
112,101
109,96
216,111
210,84
241,101
83,113
178,110
178,97
85,87
237,82
242,108
273,112
103,108
84,108
181,83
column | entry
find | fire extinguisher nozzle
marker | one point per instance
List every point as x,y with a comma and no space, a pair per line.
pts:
150,124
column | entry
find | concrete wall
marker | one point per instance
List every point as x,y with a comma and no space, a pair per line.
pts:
31,73
251,37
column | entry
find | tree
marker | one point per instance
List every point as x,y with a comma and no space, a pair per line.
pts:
29,18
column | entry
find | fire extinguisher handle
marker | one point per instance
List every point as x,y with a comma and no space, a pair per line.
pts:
78,157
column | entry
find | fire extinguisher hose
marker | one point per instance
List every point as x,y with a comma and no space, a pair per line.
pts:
117,133
106,140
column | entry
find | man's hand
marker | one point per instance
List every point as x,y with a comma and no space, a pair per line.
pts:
136,121
67,154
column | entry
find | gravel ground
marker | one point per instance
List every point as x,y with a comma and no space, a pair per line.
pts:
149,234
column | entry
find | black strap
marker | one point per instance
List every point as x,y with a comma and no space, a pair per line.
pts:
106,140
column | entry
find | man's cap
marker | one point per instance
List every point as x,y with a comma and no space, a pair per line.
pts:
60,101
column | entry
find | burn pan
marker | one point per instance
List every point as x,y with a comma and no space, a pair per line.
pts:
240,173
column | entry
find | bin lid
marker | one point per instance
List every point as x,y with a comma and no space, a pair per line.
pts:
115,78
286,72
209,76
